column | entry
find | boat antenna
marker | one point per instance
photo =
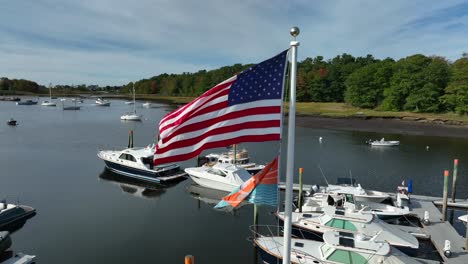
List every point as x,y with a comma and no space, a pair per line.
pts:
351,175
321,171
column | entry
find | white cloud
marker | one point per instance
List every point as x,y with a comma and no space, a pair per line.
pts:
116,41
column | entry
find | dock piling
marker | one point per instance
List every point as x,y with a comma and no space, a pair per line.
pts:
454,180
130,139
189,259
301,171
466,238
444,205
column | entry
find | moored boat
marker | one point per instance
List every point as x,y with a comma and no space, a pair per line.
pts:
384,143
222,176
102,102
27,102
335,219
318,201
337,247
131,116
10,214
241,159
49,102
12,122
138,163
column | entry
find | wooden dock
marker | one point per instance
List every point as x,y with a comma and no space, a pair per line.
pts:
437,231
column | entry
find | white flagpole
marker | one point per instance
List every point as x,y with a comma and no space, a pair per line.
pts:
290,158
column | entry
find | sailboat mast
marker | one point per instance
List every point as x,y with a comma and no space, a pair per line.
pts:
134,107
290,158
50,91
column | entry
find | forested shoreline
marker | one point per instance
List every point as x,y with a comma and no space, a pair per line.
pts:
417,83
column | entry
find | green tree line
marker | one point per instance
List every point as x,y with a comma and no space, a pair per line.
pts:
416,83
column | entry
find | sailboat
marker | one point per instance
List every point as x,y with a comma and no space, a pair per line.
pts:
132,116
49,102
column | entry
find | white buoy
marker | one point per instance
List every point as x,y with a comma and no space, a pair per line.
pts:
427,148
447,249
426,220
320,139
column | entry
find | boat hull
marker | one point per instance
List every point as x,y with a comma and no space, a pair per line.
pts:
12,218
130,118
208,183
145,175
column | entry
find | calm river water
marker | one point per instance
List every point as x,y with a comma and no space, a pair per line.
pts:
85,216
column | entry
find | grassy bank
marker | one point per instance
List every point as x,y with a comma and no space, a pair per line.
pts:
338,110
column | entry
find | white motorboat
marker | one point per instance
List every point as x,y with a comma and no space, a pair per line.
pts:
49,102
338,247
11,214
318,201
148,105
129,102
463,218
138,163
241,159
335,219
384,143
132,116
102,102
222,176
354,192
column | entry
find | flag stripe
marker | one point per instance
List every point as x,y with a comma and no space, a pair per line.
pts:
219,99
216,144
247,119
206,97
218,131
223,111
229,116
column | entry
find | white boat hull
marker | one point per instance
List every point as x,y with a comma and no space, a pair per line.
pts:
48,104
131,117
209,183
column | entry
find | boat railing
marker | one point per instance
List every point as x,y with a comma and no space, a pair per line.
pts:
271,231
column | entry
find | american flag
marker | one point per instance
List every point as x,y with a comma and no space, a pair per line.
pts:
244,108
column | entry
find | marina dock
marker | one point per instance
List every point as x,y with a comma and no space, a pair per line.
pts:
437,231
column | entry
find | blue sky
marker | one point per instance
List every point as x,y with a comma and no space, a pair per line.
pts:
113,42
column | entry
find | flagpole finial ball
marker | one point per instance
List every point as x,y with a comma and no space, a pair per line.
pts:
294,31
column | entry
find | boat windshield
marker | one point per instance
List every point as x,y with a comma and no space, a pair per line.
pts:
216,172
243,174
346,256
129,157
341,224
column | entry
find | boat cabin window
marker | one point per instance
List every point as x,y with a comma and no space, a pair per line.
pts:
347,257
129,157
341,224
217,172
148,162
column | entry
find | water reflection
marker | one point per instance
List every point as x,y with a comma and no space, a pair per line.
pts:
134,187
206,195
